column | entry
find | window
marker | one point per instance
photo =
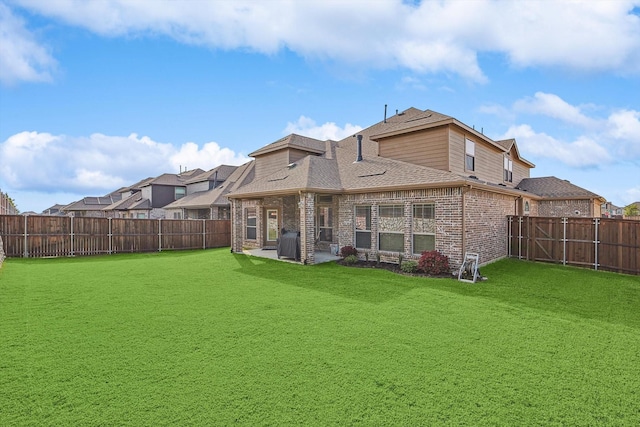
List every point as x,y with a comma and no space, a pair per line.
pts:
526,208
141,216
424,228
470,155
508,169
325,223
391,228
363,227
180,192
251,222
177,215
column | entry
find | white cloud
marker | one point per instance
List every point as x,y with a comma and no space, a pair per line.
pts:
431,37
583,152
98,164
624,129
553,106
22,58
308,127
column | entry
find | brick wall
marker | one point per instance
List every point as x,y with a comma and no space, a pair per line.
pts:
566,208
485,223
448,213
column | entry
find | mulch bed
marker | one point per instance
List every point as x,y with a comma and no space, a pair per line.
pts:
394,268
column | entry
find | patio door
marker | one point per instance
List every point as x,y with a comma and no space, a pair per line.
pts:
272,226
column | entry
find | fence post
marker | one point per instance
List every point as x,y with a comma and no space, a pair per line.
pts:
204,234
510,220
110,238
519,237
72,242
25,252
159,234
596,221
564,240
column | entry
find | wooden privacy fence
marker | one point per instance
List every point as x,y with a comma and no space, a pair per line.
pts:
598,243
52,236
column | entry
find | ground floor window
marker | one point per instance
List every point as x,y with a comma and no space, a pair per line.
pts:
391,228
424,228
250,220
363,227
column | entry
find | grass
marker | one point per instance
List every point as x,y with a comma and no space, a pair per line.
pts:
213,338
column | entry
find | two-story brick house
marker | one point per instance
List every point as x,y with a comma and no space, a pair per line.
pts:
416,181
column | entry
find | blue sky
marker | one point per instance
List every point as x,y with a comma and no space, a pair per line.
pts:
98,95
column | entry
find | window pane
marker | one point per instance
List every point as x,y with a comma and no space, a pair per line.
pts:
424,219
470,147
363,218
363,239
325,216
423,242
393,242
391,218
326,234
251,233
470,163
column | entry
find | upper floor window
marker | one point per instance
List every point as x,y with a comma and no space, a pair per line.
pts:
508,169
470,155
180,192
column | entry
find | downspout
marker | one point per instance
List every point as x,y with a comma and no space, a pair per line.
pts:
464,231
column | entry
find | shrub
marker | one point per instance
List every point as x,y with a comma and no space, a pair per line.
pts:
434,263
409,266
350,259
348,250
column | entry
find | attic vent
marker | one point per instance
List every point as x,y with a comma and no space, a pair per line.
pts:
278,179
473,177
372,174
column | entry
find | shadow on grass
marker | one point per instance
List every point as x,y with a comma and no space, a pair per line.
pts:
372,286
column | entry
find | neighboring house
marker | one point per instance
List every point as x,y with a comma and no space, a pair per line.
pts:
417,181
560,198
609,210
147,198
207,193
91,206
53,210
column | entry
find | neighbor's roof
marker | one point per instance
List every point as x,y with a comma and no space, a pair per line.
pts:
92,203
174,179
550,187
216,196
222,171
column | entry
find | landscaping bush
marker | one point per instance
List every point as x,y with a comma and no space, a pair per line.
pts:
409,266
350,259
347,251
434,263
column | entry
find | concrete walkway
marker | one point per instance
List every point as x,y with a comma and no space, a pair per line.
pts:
320,256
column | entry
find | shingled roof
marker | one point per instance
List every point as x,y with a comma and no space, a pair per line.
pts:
335,170
299,142
216,196
550,187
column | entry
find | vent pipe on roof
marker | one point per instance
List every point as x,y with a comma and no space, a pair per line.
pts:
385,113
359,157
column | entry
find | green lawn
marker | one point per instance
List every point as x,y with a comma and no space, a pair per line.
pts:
213,338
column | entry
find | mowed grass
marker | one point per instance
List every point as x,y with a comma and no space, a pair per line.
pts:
214,338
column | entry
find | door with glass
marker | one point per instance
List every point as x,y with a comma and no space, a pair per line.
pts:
272,226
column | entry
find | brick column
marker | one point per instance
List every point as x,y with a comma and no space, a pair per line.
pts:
306,205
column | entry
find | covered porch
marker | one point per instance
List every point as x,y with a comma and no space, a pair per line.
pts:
261,225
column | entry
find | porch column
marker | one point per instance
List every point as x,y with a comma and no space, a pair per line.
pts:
236,225
306,204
